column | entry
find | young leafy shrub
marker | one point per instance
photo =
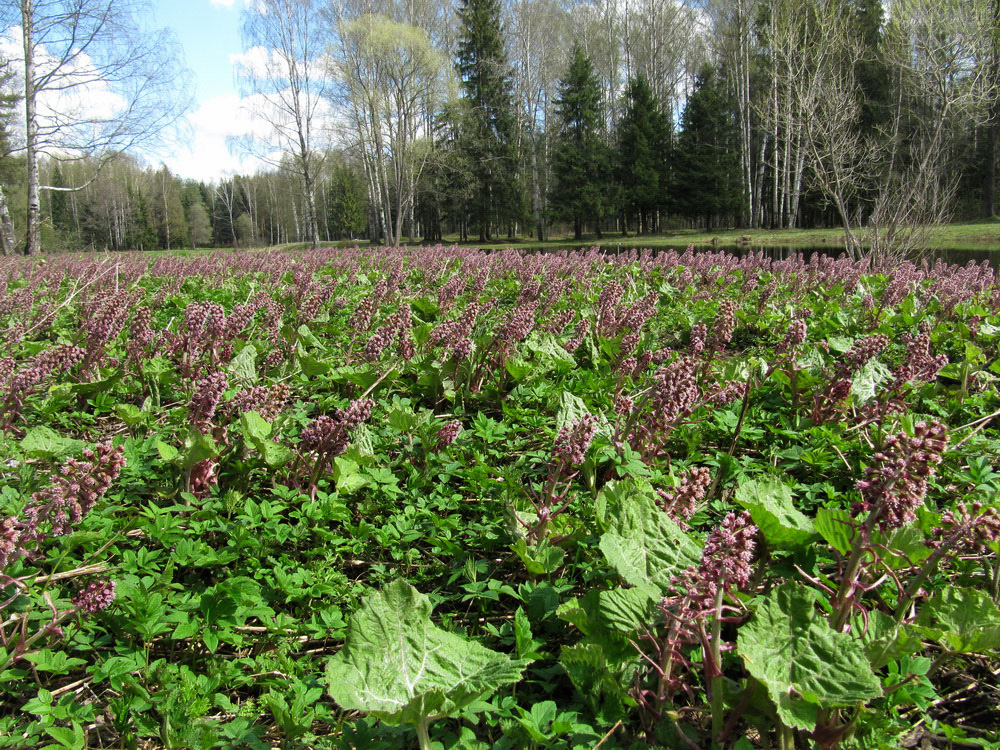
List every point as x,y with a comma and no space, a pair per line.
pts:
401,668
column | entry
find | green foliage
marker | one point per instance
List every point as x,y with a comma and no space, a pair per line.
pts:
804,664
581,160
399,666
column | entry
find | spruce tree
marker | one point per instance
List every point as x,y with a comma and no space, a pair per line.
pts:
489,140
707,160
580,161
643,154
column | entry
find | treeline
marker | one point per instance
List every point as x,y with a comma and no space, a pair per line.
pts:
127,206
492,119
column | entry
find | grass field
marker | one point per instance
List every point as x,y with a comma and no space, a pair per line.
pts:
979,236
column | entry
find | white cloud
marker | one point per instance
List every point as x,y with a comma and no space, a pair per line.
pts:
222,3
207,157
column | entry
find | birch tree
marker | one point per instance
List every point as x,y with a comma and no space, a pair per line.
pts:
390,75
94,83
283,75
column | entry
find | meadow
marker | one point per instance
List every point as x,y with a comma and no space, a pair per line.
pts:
444,497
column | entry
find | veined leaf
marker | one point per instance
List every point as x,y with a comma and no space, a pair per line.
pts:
804,663
645,546
41,442
770,504
243,367
963,620
400,667
836,526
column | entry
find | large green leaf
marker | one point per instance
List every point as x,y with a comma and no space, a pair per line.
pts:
42,442
836,526
645,546
400,667
805,664
963,620
243,367
257,432
869,380
770,504
545,347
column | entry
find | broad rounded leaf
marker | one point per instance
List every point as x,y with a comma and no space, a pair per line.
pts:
400,667
804,663
645,546
963,620
770,504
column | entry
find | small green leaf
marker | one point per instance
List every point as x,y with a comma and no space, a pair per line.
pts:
540,559
130,414
167,452
53,661
73,739
399,667
197,447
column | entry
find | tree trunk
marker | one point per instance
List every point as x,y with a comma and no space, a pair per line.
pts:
7,239
32,238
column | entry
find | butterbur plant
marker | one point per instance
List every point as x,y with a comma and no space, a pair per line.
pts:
325,438
53,512
568,454
401,668
694,614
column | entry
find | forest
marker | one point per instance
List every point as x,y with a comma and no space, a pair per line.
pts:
486,120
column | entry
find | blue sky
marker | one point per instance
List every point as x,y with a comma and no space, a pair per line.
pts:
208,32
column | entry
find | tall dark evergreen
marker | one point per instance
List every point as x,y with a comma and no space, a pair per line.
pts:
489,142
707,160
580,162
643,156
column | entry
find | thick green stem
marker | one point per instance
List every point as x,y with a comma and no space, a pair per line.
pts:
423,736
786,740
715,687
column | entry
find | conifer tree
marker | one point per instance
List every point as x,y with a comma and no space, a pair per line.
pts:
581,159
707,162
489,142
643,155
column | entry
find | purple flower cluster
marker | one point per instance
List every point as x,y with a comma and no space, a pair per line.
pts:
573,441
362,317
76,488
896,483
95,597
399,327
681,502
862,352
267,400
520,322
675,393
698,335
447,434
205,400
971,527
329,436
795,336
724,326
455,336
21,384
919,364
